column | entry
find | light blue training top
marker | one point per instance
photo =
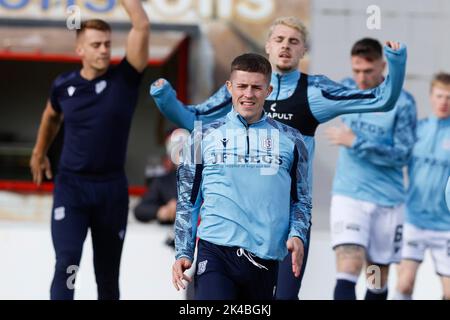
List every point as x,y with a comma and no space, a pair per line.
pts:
372,168
429,170
252,180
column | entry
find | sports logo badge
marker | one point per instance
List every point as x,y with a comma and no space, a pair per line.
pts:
224,142
100,86
267,144
71,90
202,267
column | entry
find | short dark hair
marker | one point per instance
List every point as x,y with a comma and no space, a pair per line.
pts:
441,78
96,24
368,48
252,62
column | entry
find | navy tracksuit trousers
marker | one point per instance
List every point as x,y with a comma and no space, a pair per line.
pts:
82,203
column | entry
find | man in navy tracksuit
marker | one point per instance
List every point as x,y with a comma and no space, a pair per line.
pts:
96,104
249,174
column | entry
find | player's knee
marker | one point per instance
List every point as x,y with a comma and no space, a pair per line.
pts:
350,259
68,262
351,267
405,286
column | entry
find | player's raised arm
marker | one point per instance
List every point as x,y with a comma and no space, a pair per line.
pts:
329,99
183,115
138,38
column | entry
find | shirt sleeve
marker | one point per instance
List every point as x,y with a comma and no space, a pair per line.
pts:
300,208
329,99
183,115
131,75
54,101
173,109
189,177
404,137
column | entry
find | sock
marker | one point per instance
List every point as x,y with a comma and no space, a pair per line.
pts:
377,294
345,287
401,296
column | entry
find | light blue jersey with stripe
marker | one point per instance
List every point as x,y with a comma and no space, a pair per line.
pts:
372,168
429,170
253,183
327,99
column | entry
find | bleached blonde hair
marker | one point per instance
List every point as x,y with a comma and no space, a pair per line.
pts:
292,22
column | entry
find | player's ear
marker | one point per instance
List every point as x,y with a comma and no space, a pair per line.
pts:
267,47
384,65
269,90
79,48
229,85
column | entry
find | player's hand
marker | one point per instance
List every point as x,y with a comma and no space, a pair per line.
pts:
342,135
178,269
295,246
159,83
40,164
394,45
